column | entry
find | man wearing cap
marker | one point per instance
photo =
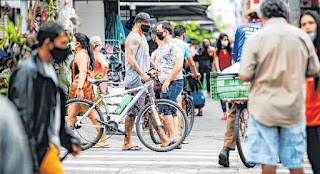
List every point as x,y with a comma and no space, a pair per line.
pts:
137,63
242,33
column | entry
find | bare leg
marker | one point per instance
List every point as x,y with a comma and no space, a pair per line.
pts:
268,169
177,120
128,126
165,141
93,116
72,113
168,123
297,171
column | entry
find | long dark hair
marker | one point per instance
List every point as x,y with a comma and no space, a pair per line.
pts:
316,41
219,46
85,44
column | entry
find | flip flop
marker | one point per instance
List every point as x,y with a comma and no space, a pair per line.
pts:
172,142
131,149
185,142
107,146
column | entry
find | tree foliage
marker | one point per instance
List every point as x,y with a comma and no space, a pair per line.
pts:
193,32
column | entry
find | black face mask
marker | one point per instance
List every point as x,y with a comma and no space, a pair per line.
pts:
160,35
59,54
145,28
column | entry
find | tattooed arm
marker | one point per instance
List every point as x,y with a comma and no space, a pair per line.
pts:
133,44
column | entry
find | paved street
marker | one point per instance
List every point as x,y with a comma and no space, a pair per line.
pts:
200,156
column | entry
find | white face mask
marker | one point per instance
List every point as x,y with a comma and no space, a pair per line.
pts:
313,36
73,47
225,43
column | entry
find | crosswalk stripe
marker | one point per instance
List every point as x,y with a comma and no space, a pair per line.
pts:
105,169
148,162
147,157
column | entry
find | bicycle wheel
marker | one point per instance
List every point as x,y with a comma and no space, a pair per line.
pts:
90,131
152,139
189,104
240,130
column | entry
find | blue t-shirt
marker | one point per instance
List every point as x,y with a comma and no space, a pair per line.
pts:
242,33
184,47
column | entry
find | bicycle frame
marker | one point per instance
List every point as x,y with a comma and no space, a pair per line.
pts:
141,89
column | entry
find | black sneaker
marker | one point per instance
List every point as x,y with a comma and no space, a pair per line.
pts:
224,157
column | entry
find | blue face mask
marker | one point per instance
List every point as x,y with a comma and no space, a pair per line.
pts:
313,36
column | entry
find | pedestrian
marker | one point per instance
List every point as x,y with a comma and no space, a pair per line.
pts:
137,64
13,141
243,32
276,60
35,90
100,65
222,60
170,62
83,62
180,34
310,23
205,59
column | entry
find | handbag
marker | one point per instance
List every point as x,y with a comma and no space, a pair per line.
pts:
87,86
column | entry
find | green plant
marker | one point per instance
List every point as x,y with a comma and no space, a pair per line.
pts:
17,42
14,37
51,9
4,82
193,32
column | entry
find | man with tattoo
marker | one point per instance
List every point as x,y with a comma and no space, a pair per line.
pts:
137,63
169,59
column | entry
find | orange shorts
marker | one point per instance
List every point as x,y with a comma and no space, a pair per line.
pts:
51,163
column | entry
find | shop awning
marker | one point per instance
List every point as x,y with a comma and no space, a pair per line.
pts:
172,11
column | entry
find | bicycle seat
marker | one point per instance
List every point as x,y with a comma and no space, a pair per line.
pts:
97,82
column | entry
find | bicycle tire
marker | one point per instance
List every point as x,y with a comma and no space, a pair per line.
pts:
190,113
154,137
140,131
90,104
237,132
190,117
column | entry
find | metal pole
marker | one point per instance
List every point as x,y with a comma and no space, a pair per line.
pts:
294,12
24,15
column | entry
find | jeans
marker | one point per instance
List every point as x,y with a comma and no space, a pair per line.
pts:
175,89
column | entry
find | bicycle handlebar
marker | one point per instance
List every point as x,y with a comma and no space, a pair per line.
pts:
187,75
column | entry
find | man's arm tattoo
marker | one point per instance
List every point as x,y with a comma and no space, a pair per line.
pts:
134,51
134,42
133,46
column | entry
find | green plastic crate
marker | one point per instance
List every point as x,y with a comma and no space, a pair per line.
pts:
228,87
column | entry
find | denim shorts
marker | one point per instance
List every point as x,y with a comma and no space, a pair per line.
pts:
267,144
172,94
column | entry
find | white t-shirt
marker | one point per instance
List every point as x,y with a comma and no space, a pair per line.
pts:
166,54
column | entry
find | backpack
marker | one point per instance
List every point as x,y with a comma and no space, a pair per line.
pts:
198,99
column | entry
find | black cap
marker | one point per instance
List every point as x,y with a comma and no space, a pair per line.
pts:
142,16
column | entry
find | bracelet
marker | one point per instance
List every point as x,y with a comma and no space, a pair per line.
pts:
79,88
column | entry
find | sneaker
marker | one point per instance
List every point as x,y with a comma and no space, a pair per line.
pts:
224,157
